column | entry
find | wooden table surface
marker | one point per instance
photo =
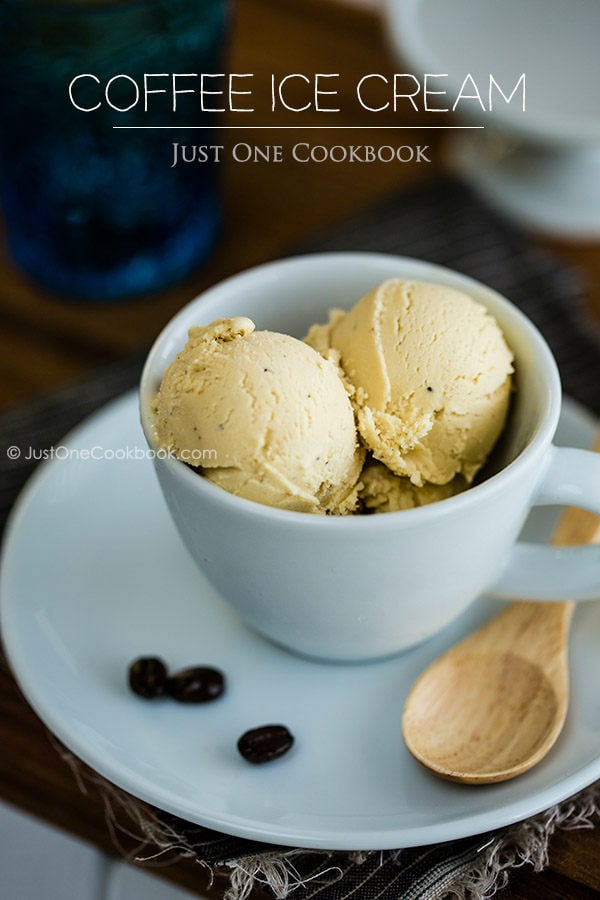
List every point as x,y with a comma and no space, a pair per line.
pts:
46,341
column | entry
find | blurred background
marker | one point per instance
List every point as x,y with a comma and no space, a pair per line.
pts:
95,217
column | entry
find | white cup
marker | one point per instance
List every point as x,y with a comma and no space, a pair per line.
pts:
358,588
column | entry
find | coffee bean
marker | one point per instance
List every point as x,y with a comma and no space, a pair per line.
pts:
196,685
261,745
148,677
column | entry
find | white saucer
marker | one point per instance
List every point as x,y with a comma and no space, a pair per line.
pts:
94,575
553,189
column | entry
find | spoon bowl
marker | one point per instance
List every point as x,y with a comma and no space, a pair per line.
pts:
480,715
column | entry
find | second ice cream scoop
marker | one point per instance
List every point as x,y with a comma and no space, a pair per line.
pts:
430,376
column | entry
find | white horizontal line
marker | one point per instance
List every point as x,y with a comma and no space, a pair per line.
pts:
298,127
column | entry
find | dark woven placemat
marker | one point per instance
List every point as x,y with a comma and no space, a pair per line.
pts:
445,224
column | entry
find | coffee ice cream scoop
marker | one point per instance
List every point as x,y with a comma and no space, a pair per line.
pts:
429,373
263,415
381,491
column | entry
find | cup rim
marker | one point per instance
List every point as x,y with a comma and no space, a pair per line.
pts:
251,509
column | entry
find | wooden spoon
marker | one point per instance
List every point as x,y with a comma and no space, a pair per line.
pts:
494,704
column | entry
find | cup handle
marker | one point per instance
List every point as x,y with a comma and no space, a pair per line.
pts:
538,572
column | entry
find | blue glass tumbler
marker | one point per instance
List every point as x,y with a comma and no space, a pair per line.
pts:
92,211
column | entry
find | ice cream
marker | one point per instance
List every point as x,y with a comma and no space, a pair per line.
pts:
429,374
264,416
381,491
418,374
